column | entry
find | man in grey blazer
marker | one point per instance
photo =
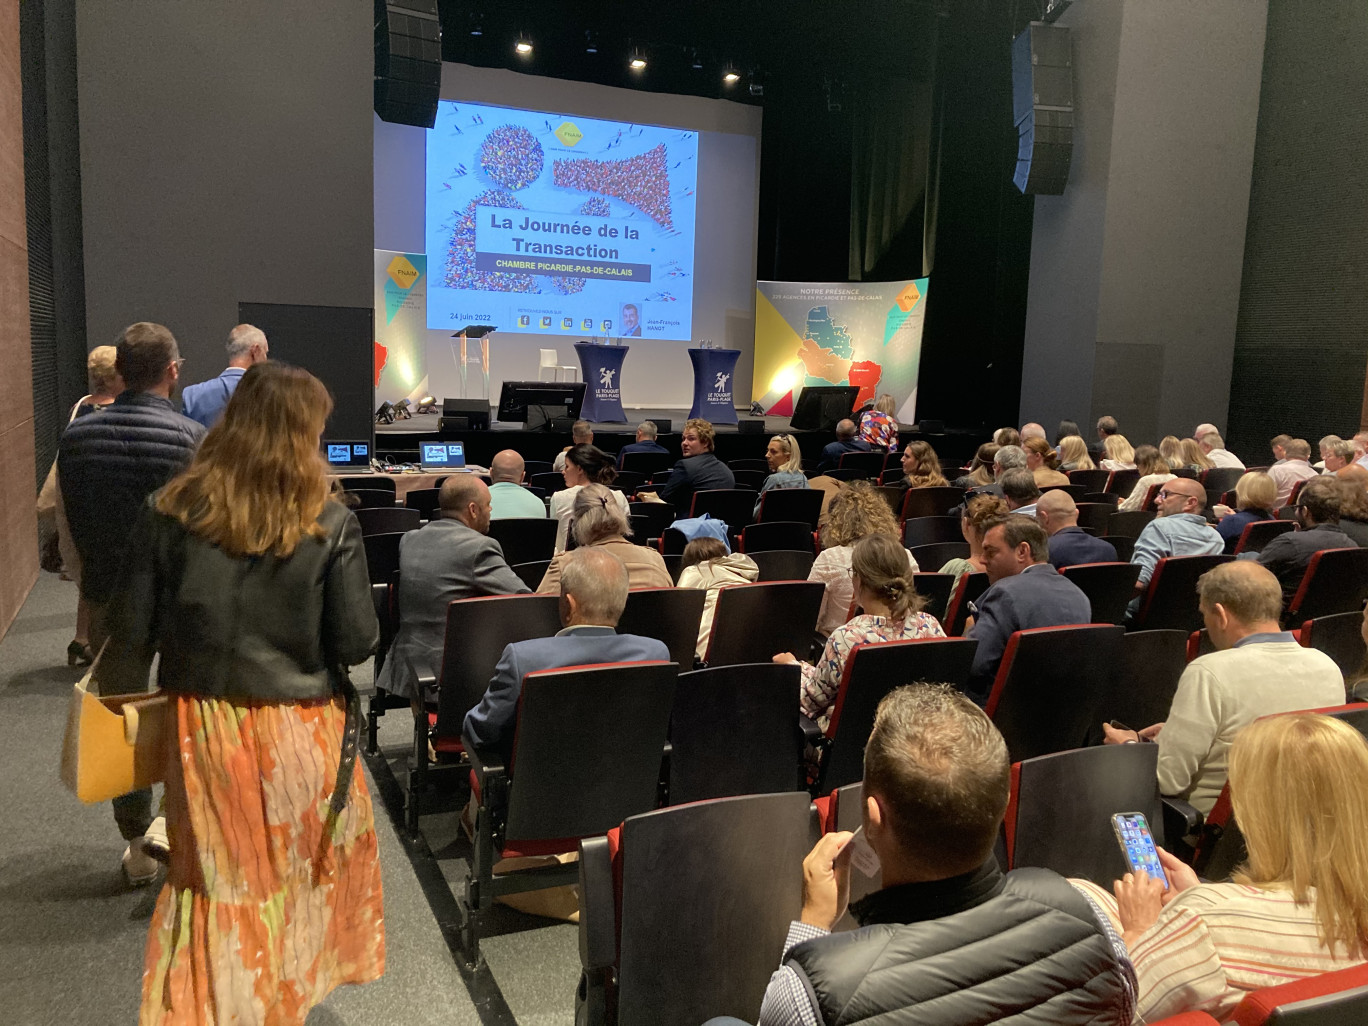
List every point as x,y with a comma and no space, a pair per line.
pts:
593,594
450,558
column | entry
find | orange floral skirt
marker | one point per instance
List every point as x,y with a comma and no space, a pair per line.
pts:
270,901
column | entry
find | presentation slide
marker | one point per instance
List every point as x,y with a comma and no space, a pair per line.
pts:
549,224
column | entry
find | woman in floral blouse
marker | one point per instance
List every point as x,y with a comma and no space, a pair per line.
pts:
891,612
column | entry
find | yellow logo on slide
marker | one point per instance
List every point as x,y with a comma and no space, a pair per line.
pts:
568,134
401,272
908,297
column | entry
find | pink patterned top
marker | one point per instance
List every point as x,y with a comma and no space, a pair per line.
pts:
820,683
879,429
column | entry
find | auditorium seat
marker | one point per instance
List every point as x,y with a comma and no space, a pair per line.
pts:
1094,515
783,564
658,516
1170,601
1109,587
628,481
752,479
1050,685
890,492
531,574
872,671
1258,534
1199,643
936,589
368,482
1336,581
935,555
385,599
734,506
382,555
671,542
801,504
1296,490
1340,636
661,477
1141,691
1338,998
552,793
1124,546
844,474
1187,1019
1128,523
931,502
752,622
1122,482
655,893
734,730
968,590
776,534
1091,480
842,809
647,463
369,498
424,500
670,615
868,464
552,481
1218,481
1060,808
391,520
531,467
1106,498
758,466
1073,491
525,539
929,530
674,564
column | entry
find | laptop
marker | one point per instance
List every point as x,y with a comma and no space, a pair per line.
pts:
440,456
348,457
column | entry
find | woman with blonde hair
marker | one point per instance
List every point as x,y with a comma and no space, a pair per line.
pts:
981,468
250,581
879,426
856,512
1296,908
891,611
1154,469
977,511
921,467
1119,454
596,520
1193,457
1172,451
785,461
1255,495
1073,454
1043,462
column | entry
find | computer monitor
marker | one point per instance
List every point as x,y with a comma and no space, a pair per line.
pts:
549,400
441,455
821,408
347,456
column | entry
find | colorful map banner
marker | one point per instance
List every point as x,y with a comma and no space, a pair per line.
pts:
400,324
862,333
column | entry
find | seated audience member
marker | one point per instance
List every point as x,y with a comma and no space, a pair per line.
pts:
707,564
1069,543
1278,446
921,467
1026,591
1327,445
980,471
1193,456
580,434
1005,460
846,441
1171,448
584,464
1353,519
1066,429
977,511
1007,436
1361,449
785,462
593,593
1337,455
699,470
890,610
1073,454
1213,446
1257,669
205,402
1154,469
1106,427
646,434
597,521
1020,491
1255,494
1318,513
1118,454
1204,429
1298,905
510,499
933,944
1178,530
1031,430
1354,474
856,512
1291,468
1043,462
449,558
879,426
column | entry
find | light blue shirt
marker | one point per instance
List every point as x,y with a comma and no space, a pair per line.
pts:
205,402
508,500
1180,534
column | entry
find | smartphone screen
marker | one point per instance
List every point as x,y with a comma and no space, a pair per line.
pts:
1137,844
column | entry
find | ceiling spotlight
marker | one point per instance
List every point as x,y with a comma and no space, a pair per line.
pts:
638,61
523,46
731,76
590,41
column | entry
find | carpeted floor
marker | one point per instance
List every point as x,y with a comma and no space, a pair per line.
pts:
72,935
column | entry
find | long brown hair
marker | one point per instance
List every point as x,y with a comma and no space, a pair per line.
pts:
928,473
259,481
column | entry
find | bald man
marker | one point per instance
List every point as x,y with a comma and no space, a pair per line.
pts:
1257,669
845,442
1032,430
1069,543
1179,530
507,496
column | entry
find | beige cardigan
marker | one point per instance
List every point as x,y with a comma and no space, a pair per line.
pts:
645,568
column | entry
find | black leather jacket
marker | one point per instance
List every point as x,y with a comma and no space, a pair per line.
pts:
260,628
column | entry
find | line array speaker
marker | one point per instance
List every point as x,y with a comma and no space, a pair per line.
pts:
1042,108
408,61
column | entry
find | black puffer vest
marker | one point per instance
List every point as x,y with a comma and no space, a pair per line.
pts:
1025,948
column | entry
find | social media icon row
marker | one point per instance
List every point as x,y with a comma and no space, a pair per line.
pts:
567,323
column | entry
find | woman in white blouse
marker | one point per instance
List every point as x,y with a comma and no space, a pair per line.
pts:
856,512
1119,454
584,464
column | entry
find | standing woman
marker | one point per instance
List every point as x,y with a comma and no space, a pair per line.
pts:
250,580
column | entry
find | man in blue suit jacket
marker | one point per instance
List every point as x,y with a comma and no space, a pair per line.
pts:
1069,543
1026,591
593,594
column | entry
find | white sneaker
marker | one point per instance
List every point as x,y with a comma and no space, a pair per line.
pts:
155,842
139,868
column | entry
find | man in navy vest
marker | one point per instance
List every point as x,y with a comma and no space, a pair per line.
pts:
205,402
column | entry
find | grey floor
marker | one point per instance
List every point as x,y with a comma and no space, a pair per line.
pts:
72,935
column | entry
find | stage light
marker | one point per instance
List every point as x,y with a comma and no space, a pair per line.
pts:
427,404
731,76
638,61
523,46
385,414
590,41
401,410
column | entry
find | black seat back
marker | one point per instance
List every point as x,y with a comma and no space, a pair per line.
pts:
1095,514
1170,601
1128,523
1340,636
931,502
929,530
424,500
525,539
935,555
670,615
619,718
387,520
1146,679
783,564
382,555
1091,480
1050,684
1074,491
370,498
776,534
734,730
1336,581
369,482
751,622
1109,587
1124,546
647,463
531,574
800,504
734,506
1123,482
870,464
552,481
657,516
969,589
1258,534
935,588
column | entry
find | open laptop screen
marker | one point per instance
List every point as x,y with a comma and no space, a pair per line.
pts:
442,456
347,455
